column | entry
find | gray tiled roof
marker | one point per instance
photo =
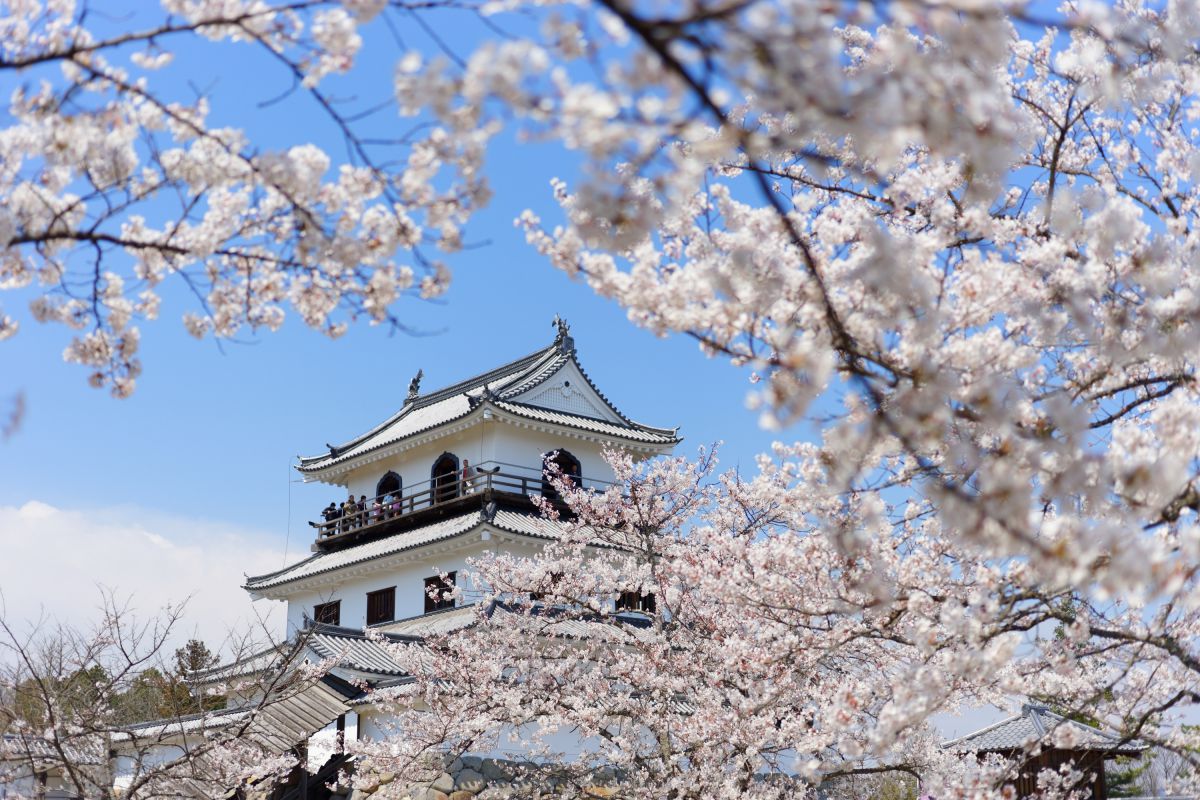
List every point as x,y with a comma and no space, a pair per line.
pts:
1038,724
542,622
352,649
446,620
89,749
455,402
278,724
252,664
324,562
617,629
640,433
188,723
525,524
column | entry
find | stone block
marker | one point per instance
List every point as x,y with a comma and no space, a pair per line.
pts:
443,783
496,793
494,770
470,780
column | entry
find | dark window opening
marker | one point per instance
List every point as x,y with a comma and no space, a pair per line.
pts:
555,577
328,613
381,606
390,483
636,601
445,478
568,467
438,586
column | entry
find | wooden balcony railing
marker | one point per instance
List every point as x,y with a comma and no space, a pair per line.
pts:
442,492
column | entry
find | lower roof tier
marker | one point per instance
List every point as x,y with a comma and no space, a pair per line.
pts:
278,584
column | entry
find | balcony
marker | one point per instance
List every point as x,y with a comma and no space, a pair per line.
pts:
510,485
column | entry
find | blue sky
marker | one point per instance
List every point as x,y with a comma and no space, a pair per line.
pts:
208,440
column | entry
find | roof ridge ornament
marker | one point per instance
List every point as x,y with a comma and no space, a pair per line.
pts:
565,342
414,386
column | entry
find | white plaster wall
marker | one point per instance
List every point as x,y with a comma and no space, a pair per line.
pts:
568,391
413,466
408,578
525,447
489,440
124,766
374,726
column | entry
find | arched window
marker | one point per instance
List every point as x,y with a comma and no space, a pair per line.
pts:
636,601
444,477
568,466
391,483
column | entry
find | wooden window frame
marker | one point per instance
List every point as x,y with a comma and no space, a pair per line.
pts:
399,490
637,601
381,606
573,471
444,486
450,581
322,611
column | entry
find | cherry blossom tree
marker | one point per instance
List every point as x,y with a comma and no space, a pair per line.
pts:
798,638
113,186
75,720
957,234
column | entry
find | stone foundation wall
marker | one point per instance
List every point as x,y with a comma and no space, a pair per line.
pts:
475,778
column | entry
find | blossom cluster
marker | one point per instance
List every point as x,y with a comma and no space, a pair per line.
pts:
114,189
960,235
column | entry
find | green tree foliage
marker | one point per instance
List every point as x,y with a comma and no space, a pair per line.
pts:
193,657
1124,777
37,700
152,693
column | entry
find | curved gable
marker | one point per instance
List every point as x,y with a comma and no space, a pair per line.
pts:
570,391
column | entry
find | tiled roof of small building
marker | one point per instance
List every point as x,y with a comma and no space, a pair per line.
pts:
1037,724
186,723
422,413
353,649
446,620
248,665
278,724
82,749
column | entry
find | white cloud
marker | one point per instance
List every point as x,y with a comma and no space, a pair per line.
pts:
54,563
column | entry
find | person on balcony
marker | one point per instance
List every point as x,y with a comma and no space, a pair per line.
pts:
468,475
376,511
330,514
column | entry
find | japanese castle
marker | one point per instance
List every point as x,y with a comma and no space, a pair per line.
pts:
452,474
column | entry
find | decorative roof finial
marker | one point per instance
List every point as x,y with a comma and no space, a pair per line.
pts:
414,386
563,339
